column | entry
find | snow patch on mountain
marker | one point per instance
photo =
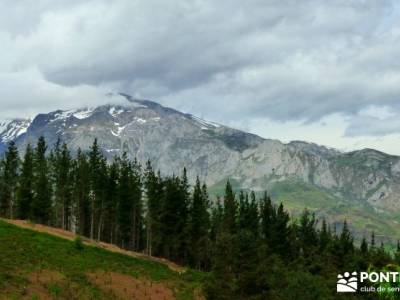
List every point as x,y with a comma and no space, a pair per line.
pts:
115,111
62,115
13,129
119,130
116,150
204,124
3,126
140,120
83,113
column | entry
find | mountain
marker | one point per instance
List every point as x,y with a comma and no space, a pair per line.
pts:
362,186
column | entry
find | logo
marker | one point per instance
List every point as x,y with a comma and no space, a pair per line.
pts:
347,283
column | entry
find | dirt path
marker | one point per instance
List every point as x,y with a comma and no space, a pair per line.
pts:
71,236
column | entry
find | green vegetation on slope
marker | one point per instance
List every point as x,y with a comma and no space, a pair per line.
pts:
24,252
296,196
362,218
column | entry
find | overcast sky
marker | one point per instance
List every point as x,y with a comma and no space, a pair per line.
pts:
314,70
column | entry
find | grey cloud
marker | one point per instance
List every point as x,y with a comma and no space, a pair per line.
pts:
372,126
283,60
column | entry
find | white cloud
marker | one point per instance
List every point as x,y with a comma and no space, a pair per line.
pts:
27,93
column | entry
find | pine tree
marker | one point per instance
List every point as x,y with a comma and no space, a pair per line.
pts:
154,189
173,216
246,262
307,232
111,203
130,216
62,169
25,189
81,195
183,205
253,217
242,208
125,204
364,246
41,204
137,236
281,232
199,226
216,219
397,254
100,196
248,217
97,169
324,236
372,240
230,210
246,245
9,181
346,239
267,215
222,284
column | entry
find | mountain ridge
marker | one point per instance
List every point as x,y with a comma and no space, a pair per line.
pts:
172,140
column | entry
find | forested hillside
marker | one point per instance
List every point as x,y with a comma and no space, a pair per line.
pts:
249,247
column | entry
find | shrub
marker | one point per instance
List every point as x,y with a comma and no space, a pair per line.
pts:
78,244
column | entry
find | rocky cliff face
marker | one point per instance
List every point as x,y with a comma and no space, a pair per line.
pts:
172,140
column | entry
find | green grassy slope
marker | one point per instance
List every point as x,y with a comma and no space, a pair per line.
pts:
25,253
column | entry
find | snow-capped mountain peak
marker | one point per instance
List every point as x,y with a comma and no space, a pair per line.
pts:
10,130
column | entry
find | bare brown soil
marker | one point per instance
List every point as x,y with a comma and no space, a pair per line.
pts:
120,286
71,236
40,284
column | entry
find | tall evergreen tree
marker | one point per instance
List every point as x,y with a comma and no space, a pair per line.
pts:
96,167
130,214
199,226
346,240
25,189
137,236
111,203
62,170
364,246
154,189
230,210
307,233
281,232
373,240
173,217
183,205
81,195
324,236
125,204
223,282
9,181
248,216
41,204
216,219
267,215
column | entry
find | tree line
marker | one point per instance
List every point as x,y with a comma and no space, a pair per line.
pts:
250,246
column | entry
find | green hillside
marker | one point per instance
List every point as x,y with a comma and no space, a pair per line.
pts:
40,266
296,195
